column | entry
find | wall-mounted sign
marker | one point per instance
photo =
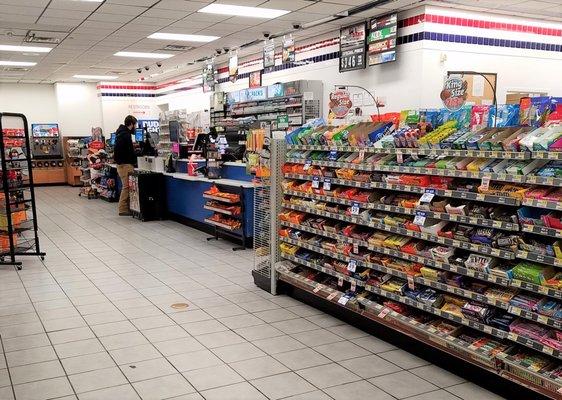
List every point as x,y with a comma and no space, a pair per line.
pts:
275,90
352,47
269,54
259,93
340,103
233,68
255,79
382,39
454,93
208,77
288,50
282,121
45,130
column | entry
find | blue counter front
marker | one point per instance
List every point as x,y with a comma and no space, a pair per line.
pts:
185,195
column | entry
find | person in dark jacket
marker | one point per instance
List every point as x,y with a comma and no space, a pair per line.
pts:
125,158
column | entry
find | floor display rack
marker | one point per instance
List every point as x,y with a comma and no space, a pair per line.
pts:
464,260
18,216
227,204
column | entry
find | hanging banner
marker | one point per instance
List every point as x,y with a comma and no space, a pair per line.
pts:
340,103
233,68
288,50
255,79
269,54
352,47
454,93
208,77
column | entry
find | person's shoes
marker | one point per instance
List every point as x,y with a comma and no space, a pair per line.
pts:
125,214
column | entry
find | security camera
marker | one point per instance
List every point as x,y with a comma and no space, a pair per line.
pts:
139,70
266,34
159,64
218,51
226,49
296,25
147,67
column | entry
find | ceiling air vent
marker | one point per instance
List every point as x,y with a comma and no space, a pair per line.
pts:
177,47
14,69
32,38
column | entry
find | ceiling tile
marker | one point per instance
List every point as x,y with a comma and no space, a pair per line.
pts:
73,5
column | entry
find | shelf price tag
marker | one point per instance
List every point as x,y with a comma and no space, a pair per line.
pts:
327,185
340,281
317,288
332,296
420,217
343,300
383,313
352,266
427,196
355,247
316,182
307,165
399,158
485,185
333,156
354,208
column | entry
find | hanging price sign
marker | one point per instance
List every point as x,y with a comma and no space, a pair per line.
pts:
361,155
427,196
353,286
307,165
354,208
343,300
399,158
411,283
340,281
355,248
327,184
485,185
352,266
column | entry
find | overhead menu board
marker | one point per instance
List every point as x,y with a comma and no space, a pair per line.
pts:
382,39
352,47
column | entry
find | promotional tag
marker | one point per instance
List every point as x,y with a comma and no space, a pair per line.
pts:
352,266
355,248
340,281
354,208
307,165
399,158
411,283
343,300
317,288
353,286
333,156
361,155
384,313
327,184
316,182
485,185
420,217
427,197
331,296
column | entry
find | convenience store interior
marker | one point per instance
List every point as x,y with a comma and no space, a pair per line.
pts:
331,199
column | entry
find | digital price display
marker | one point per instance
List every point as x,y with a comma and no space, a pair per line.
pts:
352,47
382,39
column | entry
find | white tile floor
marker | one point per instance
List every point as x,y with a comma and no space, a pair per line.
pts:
94,322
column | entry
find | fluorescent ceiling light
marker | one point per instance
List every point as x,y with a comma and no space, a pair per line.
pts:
96,77
135,54
178,37
243,11
32,49
17,63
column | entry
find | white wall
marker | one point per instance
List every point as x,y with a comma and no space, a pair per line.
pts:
115,109
79,108
37,102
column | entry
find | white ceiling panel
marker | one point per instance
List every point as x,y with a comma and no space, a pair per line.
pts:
150,21
143,3
97,16
180,5
73,5
7,20
127,11
292,5
60,22
21,10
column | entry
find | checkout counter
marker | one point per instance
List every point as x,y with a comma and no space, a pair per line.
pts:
186,204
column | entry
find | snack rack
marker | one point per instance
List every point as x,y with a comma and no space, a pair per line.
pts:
346,239
227,204
18,216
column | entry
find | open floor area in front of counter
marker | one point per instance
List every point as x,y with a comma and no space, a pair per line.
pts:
102,318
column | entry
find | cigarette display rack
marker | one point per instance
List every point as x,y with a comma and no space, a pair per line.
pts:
18,216
457,247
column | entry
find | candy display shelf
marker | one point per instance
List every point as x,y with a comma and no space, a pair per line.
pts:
463,235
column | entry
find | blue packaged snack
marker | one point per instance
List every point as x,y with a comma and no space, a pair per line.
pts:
506,115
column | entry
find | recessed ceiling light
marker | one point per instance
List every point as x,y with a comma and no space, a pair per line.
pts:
135,54
243,11
96,77
33,49
183,38
18,63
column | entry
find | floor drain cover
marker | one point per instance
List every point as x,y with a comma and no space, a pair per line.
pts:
180,306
